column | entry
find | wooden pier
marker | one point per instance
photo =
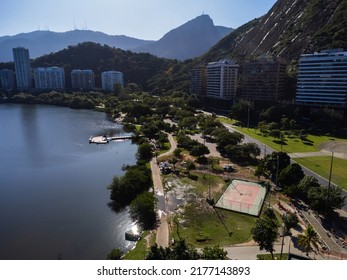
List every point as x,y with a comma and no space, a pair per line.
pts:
106,139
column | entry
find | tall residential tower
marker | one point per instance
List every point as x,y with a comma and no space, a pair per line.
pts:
22,67
221,81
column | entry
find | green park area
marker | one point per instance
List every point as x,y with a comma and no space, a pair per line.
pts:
199,223
201,227
290,143
321,165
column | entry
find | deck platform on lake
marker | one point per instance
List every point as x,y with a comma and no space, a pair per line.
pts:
106,139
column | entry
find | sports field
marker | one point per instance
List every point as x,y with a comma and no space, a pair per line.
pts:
243,196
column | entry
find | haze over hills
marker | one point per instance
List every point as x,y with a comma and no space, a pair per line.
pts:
45,42
289,29
189,40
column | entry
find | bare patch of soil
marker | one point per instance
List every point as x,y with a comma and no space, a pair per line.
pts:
337,146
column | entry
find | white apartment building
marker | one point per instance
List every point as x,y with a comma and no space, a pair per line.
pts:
50,78
111,78
221,81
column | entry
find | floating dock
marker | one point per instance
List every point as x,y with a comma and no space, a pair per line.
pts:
105,140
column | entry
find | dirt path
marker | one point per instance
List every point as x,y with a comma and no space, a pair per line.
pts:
173,147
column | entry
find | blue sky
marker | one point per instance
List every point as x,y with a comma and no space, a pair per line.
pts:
144,19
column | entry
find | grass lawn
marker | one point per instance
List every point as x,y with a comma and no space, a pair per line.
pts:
291,145
268,257
321,165
213,227
140,250
200,225
166,148
226,120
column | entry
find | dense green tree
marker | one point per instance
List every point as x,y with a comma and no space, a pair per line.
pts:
225,138
309,239
124,189
179,250
213,253
144,152
245,153
150,130
324,200
265,232
241,110
275,133
199,150
290,175
142,210
188,123
157,253
177,152
290,221
162,139
115,254
302,188
270,164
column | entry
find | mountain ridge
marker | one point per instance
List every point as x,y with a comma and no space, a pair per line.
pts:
289,29
188,40
44,42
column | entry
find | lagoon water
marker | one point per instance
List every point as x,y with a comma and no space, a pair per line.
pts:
53,184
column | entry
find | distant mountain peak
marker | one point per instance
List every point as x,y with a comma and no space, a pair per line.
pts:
189,40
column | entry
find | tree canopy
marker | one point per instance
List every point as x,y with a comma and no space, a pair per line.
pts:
180,250
265,231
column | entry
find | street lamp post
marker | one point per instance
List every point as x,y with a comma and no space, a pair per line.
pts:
283,235
330,173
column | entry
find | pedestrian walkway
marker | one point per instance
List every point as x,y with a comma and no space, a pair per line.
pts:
162,236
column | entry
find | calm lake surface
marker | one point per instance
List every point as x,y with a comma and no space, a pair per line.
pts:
53,184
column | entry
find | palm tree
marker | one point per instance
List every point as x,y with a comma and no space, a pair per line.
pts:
308,239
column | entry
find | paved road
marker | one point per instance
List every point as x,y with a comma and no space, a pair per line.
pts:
243,252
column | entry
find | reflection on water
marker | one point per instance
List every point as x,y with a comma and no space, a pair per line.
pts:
53,184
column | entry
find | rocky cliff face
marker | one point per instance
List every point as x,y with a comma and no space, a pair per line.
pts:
290,28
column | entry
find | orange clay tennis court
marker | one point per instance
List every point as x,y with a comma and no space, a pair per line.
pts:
243,196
